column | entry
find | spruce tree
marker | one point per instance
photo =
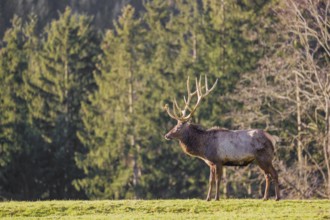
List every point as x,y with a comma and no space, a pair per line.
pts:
112,163
21,164
62,79
123,152
12,66
170,61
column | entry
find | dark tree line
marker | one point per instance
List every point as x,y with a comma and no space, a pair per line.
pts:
81,104
103,11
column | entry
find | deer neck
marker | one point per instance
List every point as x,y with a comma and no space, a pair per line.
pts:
191,143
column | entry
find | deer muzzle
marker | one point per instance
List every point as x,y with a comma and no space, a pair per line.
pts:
167,137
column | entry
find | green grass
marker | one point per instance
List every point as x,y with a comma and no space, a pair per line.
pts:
168,209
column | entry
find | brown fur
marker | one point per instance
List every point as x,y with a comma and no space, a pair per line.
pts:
200,142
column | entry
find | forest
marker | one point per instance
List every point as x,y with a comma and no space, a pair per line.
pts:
84,83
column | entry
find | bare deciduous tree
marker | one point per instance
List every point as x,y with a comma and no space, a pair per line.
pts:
290,94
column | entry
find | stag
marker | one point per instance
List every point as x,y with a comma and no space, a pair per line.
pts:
219,147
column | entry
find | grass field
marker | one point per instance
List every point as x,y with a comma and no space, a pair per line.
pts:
168,209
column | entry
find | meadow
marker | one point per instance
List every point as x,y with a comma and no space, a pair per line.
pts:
167,209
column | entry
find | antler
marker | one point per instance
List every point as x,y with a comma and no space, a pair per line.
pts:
190,95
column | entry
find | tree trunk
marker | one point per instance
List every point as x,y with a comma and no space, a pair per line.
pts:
134,147
194,52
301,160
326,146
67,145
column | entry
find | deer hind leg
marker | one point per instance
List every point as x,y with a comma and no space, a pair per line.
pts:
211,182
218,174
267,177
274,175
269,170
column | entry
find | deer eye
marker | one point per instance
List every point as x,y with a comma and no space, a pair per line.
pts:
178,128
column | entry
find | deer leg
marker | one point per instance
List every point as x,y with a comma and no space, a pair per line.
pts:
218,174
274,175
267,177
211,181
268,168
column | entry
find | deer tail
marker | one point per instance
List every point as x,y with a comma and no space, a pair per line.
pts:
272,139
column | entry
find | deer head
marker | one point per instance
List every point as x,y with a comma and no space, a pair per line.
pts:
181,115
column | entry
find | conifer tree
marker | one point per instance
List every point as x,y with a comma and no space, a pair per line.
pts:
16,131
116,136
112,136
169,58
126,157
61,81
12,64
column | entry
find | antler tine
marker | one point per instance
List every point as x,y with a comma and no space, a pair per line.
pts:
169,113
176,108
187,100
200,94
197,86
209,90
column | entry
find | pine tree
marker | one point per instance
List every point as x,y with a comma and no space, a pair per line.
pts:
62,79
21,178
112,163
14,128
126,157
13,63
170,55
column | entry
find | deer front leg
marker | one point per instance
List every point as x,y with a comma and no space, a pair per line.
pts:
211,181
218,174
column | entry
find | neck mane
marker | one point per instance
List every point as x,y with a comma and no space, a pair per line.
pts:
194,140
201,129
191,142
197,128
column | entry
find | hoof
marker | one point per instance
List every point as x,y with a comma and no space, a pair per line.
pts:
265,199
277,199
208,199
